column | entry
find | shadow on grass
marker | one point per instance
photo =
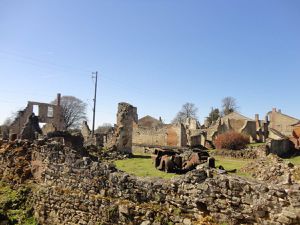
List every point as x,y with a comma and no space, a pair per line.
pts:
141,156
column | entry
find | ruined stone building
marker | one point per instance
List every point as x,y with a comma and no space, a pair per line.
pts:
232,122
283,129
281,122
130,131
126,118
278,128
152,132
149,131
46,113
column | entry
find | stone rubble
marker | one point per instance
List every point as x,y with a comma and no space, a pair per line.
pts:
76,188
274,170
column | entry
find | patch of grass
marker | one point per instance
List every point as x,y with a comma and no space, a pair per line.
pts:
30,221
295,160
19,216
7,195
142,166
255,144
232,163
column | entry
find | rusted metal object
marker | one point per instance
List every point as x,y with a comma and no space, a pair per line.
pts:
172,161
296,135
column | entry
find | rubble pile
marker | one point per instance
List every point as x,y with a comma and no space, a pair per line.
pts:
248,153
92,192
15,160
75,188
108,154
272,169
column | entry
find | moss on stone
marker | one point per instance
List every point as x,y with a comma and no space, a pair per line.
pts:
14,205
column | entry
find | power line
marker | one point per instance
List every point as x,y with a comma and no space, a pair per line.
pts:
42,63
36,62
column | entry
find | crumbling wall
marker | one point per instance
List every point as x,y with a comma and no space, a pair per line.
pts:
126,117
47,113
4,132
48,128
282,147
152,132
150,136
191,132
249,129
31,128
83,191
74,189
85,131
162,135
233,122
281,122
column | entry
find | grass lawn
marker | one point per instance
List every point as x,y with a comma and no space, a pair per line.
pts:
141,165
231,163
294,160
256,144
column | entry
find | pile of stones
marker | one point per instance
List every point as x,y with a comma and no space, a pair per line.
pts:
273,170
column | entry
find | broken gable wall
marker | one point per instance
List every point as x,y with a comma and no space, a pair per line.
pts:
47,113
282,123
238,125
250,129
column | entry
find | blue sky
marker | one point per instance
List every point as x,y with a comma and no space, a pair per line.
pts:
154,54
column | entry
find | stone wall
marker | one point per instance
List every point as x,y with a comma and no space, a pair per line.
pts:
126,117
232,122
281,122
282,148
85,131
150,136
77,190
47,113
74,189
161,135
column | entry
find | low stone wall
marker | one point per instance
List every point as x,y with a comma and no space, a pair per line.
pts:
73,189
80,191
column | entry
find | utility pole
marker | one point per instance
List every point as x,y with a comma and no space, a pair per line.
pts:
95,98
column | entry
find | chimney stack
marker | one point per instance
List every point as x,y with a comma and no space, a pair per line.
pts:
58,99
267,119
256,117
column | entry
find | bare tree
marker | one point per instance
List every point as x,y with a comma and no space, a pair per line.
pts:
73,111
4,128
9,120
229,105
188,110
